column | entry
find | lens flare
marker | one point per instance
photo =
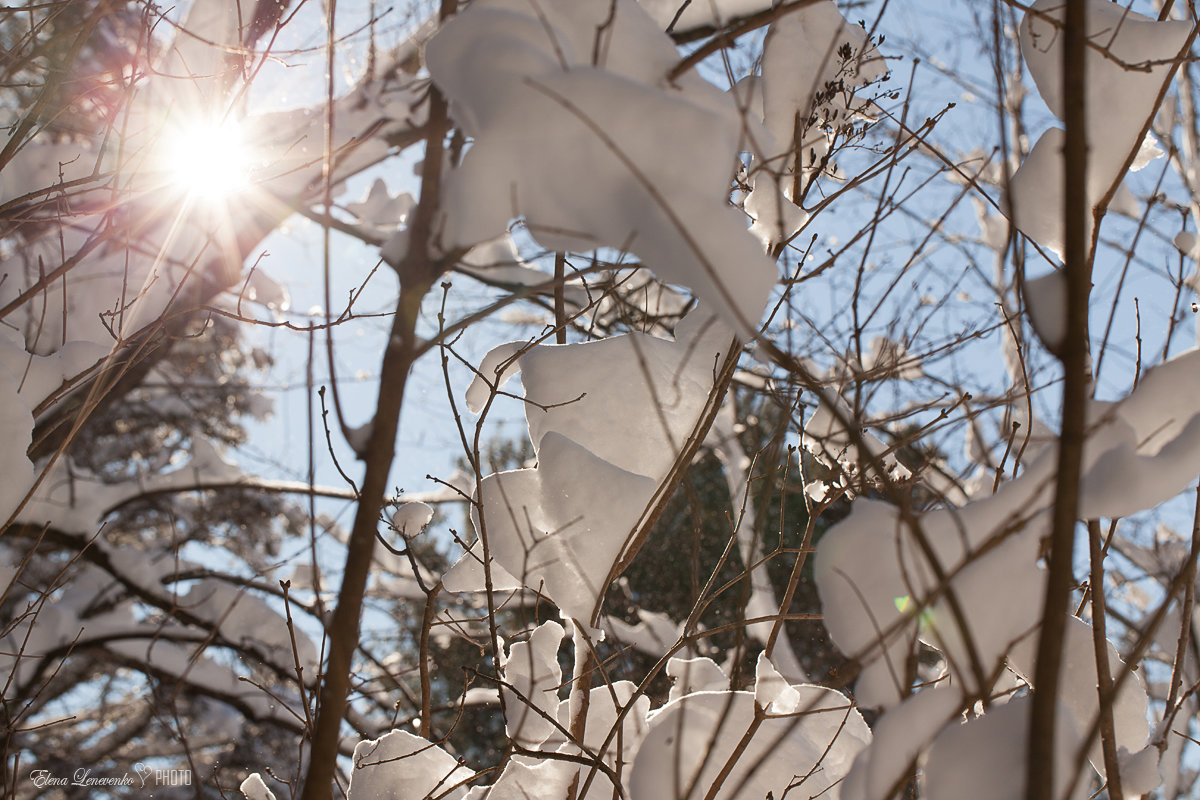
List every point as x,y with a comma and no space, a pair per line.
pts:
209,161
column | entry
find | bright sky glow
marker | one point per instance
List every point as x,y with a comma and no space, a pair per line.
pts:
210,161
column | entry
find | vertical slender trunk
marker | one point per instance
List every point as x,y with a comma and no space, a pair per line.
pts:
343,631
1073,355
419,269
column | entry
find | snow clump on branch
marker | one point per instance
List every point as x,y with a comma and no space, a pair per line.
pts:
649,161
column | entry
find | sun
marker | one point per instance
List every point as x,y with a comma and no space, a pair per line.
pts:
209,160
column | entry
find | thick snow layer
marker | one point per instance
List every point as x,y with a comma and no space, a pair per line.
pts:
522,83
595,393
811,737
402,766
776,217
874,605
411,518
605,715
530,778
1124,71
1153,442
654,634
381,211
467,574
700,13
560,527
898,738
1046,304
1036,194
497,262
534,777
41,376
695,675
1140,453
253,788
692,738
986,758
772,693
826,437
532,670
804,57
1077,696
